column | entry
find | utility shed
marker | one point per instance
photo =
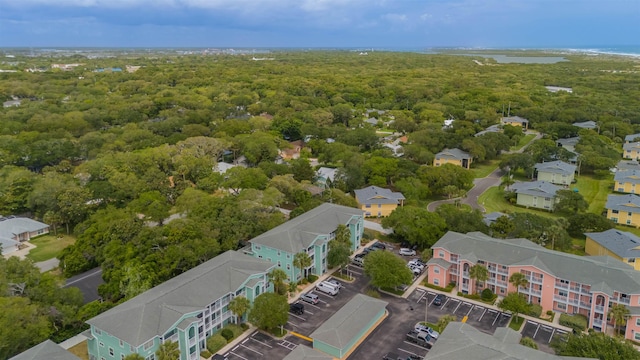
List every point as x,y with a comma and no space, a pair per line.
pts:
341,332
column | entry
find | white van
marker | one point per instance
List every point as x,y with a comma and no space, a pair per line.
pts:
327,288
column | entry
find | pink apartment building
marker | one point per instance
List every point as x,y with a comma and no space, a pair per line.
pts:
561,282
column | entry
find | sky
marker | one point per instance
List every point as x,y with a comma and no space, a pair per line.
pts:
319,23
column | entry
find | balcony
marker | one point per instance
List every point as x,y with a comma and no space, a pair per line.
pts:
599,308
465,274
574,288
562,286
194,356
502,271
585,305
532,292
573,301
585,291
535,280
624,300
464,287
560,298
597,322
193,341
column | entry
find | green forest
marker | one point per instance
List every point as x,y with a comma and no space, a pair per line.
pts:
126,161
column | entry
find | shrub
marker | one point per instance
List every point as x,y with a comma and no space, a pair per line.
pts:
534,310
215,343
373,293
205,354
529,342
447,289
487,294
550,312
227,334
311,278
237,329
576,322
244,326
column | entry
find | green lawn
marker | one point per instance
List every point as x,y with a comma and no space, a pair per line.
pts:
49,246
594,191
516,323
485,168
493,200
523,141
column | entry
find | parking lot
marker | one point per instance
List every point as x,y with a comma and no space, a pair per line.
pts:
262,346
543,334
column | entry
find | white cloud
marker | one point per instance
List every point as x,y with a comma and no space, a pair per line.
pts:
397,18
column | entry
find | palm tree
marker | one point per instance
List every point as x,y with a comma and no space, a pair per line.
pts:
239,305
619,314
479,273
519,280
302,260
277,277
168,350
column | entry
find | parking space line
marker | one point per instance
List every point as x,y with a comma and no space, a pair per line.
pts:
423,295
292,324
536,332
469,312
308,312
481,316
241,357
412,344
408,352
263,343
255,351
551,337
496,319
456,309
323,294
446,302
309,304
296,316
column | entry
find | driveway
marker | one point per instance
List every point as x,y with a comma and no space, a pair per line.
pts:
47,265
376,227
88,283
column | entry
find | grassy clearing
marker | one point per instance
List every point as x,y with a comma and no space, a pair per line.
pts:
485,168
594,191
493,200
80,350
49,246
523,141
516,323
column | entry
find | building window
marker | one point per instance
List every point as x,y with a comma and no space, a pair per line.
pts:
562,306
368,206
629,214
436,282
441,254
436,270
121,356
121,343
614,219
279,264
288,266
629,222
614,211
151,357
257,247
501,290
101,344
278,253
148,345
636,336
638,322
97,331
111,351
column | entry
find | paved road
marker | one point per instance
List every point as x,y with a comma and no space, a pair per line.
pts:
47,265
376,227
480,185
88,283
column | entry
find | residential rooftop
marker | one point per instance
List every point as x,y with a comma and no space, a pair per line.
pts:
629,202
622,243
453,154
536,188
628,176
556,167
47,350
378,195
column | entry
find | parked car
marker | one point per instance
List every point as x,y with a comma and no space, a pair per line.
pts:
379,245
415,265
420,339
417,262
358,260
310,297
334,282
424,328
438,300
296,308
392,356
407,252
327,288
415,270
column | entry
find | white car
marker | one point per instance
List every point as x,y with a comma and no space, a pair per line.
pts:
334,282
424,328
407,252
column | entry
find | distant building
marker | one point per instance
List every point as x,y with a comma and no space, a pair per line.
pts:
453,156
632,138
568,143
515,121
631,150
293,150
556,172
591,125
618,244
377,201
536,194
21,229
556,89
326,176
627,165
624,209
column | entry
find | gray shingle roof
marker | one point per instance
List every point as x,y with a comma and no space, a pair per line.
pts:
571,142
536,188
299,233
556,167
11,226
629,202
631,146
340,329
462,341
628,176
589,270
456,154
586,124
378,195
621,243
631,137
440,262
47,350
628,165
491,129
157,310
302,352
492,217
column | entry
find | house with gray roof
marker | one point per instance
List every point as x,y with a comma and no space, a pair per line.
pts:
326,176
490,218
14,230
491,129
557,281
631,150
453,156
186,309
627,181
47,350
339,334
568,144
586,124
463,341
556,172
627,165
308,233
536,194
515,121
621,245
632,138
377,201
624,209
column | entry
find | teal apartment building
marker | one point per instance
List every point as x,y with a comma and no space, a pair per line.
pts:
186,309
310,233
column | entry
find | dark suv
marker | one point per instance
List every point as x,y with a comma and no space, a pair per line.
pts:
379,245
438,300
296,308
